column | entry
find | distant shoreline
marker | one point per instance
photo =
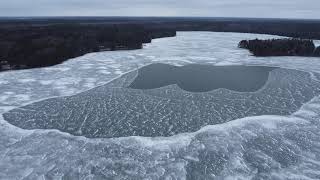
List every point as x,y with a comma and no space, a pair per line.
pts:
30,42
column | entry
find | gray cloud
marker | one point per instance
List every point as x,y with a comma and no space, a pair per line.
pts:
221,8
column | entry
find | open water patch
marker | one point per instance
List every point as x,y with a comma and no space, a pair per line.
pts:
202,78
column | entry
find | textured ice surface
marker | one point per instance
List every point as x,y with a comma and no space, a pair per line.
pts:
261,147
116,110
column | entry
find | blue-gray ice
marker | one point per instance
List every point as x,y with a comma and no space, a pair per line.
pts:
162,108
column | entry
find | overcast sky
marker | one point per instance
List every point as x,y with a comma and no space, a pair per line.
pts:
205,8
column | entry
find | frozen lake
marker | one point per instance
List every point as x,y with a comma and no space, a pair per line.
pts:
281,141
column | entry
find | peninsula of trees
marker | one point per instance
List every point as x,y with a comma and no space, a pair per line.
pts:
281,47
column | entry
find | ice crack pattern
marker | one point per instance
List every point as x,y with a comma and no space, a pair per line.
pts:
117,110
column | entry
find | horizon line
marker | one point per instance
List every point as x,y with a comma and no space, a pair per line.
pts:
164,17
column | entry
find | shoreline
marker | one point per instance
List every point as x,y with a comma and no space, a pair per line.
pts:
41,42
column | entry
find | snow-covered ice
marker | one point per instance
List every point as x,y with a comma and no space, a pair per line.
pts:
261,147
